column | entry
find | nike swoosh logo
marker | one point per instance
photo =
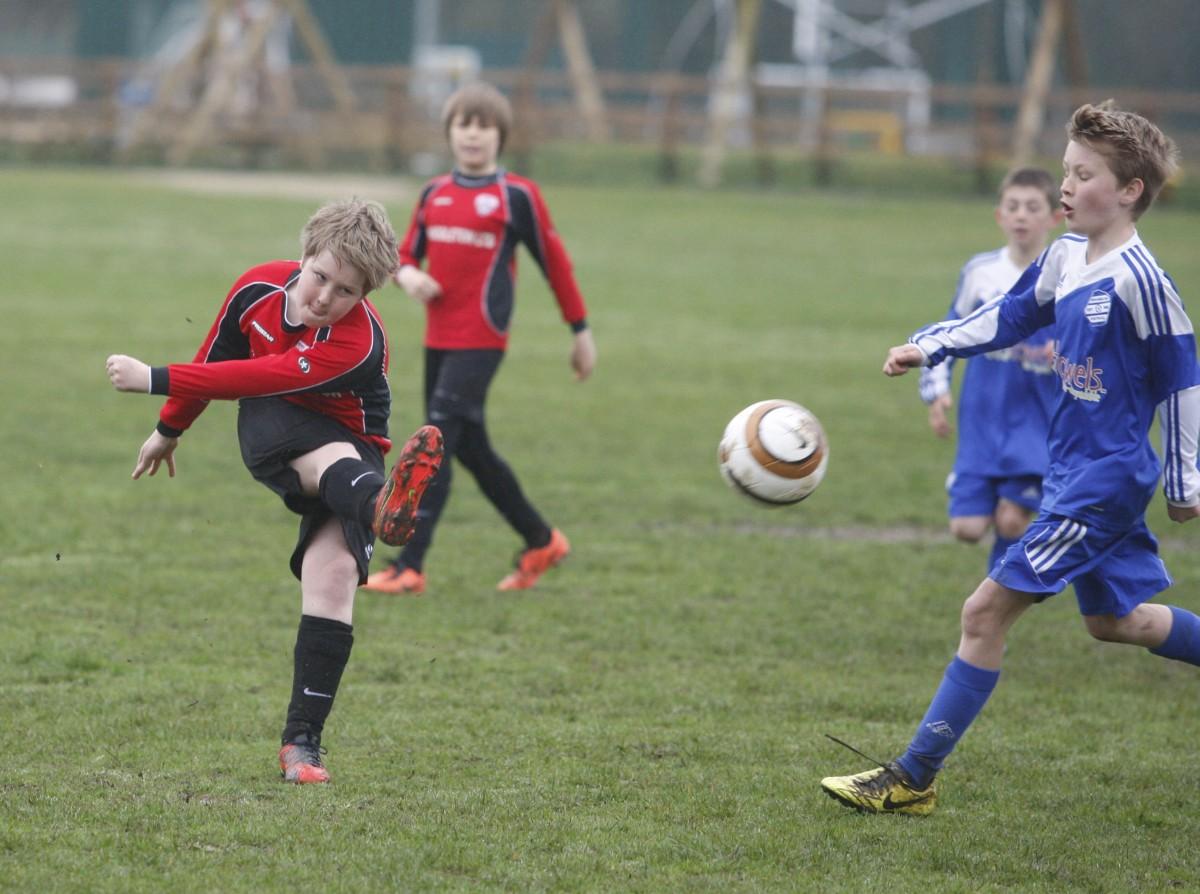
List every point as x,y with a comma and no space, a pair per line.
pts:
889,804
359,478
308,691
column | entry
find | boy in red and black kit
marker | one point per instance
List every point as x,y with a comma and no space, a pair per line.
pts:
467,225
305,354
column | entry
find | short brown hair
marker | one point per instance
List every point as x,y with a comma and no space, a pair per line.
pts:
1133,147
1037,178
479,100
356,232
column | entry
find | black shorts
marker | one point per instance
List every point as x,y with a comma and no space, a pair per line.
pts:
272,432
457,382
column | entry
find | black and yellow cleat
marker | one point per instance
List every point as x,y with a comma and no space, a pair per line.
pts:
886,789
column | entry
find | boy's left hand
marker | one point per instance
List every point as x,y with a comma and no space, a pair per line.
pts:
1182,514
583,355
157,449
128,373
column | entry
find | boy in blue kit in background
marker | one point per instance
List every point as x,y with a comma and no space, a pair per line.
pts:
1006,396
1125,347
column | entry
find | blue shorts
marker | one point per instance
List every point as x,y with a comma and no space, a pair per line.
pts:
979,494
1113,572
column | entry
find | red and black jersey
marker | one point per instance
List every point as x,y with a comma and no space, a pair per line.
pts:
468,229
251,350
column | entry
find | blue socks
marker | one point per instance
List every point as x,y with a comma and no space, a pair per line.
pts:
1183,642
965,689
961,696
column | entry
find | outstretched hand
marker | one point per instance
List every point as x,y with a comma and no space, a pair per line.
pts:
583,354
128,373
419,285
901,359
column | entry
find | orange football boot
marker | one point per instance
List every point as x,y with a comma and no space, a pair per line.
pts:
533,563
300,760
396,505
396,580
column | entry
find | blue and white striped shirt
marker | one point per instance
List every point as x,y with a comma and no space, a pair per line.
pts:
1125,346
1007,396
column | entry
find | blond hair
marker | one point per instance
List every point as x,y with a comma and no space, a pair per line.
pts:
1035,178
479,100
1133,147
356,232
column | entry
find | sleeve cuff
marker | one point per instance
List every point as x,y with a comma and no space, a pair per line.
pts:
160,380
167,431
579,325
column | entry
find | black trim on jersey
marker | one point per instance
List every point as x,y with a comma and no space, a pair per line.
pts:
287,327
579,325
523,220
167,431
421,243
500,292
376,397
231,343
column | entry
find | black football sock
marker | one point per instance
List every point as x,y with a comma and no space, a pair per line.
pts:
322,650
349,487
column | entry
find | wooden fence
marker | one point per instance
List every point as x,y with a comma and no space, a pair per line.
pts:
108,118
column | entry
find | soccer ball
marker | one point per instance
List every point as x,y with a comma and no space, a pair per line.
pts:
774,451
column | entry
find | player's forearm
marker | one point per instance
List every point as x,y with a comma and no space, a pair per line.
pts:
177,416
569,298
998,324
236,379
1179,420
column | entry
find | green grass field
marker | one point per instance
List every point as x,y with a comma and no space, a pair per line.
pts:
651,718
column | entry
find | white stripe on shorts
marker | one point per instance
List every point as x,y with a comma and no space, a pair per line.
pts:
1045,554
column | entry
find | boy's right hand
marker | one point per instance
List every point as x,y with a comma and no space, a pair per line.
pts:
158,447
419,285
939,419
128,373
901,359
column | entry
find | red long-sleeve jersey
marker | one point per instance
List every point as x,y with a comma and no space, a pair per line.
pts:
252,351
469,228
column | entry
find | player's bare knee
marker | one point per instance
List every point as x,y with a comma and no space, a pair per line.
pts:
969,529
1011,521
1106,628
1141,626
979,619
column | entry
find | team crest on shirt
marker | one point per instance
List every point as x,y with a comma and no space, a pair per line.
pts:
1098,305
486,203
305,366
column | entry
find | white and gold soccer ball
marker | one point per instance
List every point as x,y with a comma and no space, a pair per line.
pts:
774,451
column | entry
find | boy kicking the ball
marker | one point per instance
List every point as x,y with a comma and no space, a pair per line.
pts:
1125,347
303,351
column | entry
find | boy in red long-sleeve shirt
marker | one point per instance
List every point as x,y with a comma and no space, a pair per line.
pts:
467,226
305,354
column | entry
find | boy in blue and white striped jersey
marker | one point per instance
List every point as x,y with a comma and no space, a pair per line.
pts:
1006,396
1125,347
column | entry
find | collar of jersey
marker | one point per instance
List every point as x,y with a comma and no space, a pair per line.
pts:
462,179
